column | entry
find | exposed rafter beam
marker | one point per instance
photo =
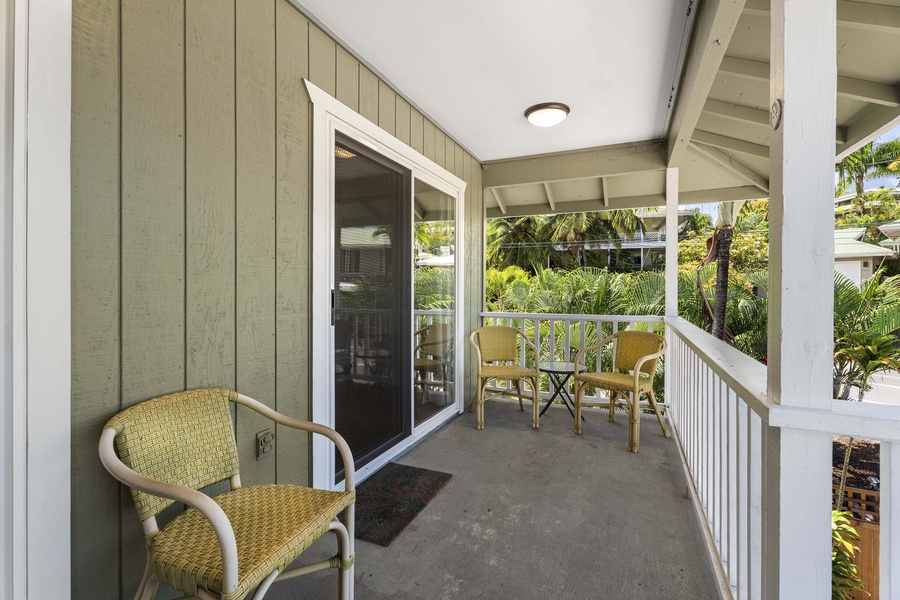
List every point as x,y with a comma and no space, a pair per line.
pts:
874,123
736,112
715,25
857,89
859,15
499,200
550,200
747,114
733,165
575,164
604,188
729,143
750,192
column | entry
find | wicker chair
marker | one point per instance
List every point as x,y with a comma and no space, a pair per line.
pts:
223,547
636,356
496,347
433,354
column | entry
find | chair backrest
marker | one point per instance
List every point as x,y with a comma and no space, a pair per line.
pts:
438,340
497,342
186,438
631,346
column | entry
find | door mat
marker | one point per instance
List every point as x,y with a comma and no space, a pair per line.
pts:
390,499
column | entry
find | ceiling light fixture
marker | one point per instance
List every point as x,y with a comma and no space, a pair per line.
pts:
343,152
547,114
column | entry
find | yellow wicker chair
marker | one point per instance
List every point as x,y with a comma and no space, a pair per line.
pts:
496,346
432,354
636,356
167,448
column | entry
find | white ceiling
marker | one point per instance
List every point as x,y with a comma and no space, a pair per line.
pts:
474,66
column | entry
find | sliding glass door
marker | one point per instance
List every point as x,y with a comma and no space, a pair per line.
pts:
385,290
371,299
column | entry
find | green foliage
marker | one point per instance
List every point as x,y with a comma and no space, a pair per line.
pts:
434,288
844,573
749,251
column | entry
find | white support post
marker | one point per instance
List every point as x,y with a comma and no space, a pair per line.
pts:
671,272
672,242
797,475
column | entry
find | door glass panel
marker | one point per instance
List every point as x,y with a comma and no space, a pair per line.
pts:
434,240
371,301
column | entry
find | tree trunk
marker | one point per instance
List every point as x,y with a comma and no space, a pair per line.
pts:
844,469
723,240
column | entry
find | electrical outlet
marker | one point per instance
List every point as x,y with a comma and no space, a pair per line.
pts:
265,444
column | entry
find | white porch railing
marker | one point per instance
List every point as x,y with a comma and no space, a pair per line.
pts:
721,419
559,337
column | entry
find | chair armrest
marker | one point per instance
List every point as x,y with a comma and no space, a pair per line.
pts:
596,346
328,432
477,349
643,359
203,503
534,351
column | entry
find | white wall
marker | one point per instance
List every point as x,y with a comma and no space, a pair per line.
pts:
852,269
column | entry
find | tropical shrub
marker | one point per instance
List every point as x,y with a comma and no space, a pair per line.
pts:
844,573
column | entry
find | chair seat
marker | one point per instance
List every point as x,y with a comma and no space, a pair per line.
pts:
273,525
506,372
615,381
427,364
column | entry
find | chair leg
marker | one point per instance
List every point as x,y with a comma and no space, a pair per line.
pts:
634,419
535,404
659,417
519,392
150,588
613,403
579,391
345,576
479,412
148,573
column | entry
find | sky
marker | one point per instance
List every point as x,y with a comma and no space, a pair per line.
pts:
885,181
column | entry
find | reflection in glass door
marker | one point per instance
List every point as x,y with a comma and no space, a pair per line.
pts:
434,240
372,257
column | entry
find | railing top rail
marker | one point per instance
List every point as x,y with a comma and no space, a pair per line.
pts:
435,313
747,377
568,317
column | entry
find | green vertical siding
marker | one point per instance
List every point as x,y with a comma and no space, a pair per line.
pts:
190,230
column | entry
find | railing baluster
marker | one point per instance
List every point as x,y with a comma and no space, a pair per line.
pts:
755,453
889,526
567,340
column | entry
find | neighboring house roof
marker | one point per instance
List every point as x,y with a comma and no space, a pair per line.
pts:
892,230
854,233
436,261
845,247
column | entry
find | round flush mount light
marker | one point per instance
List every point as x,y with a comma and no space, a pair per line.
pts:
547,114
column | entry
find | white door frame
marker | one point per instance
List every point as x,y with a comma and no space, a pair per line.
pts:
329,117
35,396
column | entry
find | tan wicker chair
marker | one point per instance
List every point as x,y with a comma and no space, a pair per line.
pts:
496,346
432,354
223,547
636,356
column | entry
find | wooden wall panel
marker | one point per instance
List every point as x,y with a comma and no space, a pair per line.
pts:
255,81
153,249
387,116
292,249
401,126
347,78
428,139
209,185
321,59
368,94
95,293
440,147
190,229
417,131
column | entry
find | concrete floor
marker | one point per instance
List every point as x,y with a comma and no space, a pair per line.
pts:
536,514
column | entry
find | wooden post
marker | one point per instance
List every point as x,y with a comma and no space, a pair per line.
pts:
672,242
671,270
889,569
797,476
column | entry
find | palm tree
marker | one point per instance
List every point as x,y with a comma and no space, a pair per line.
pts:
871,161
515,242
573,230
